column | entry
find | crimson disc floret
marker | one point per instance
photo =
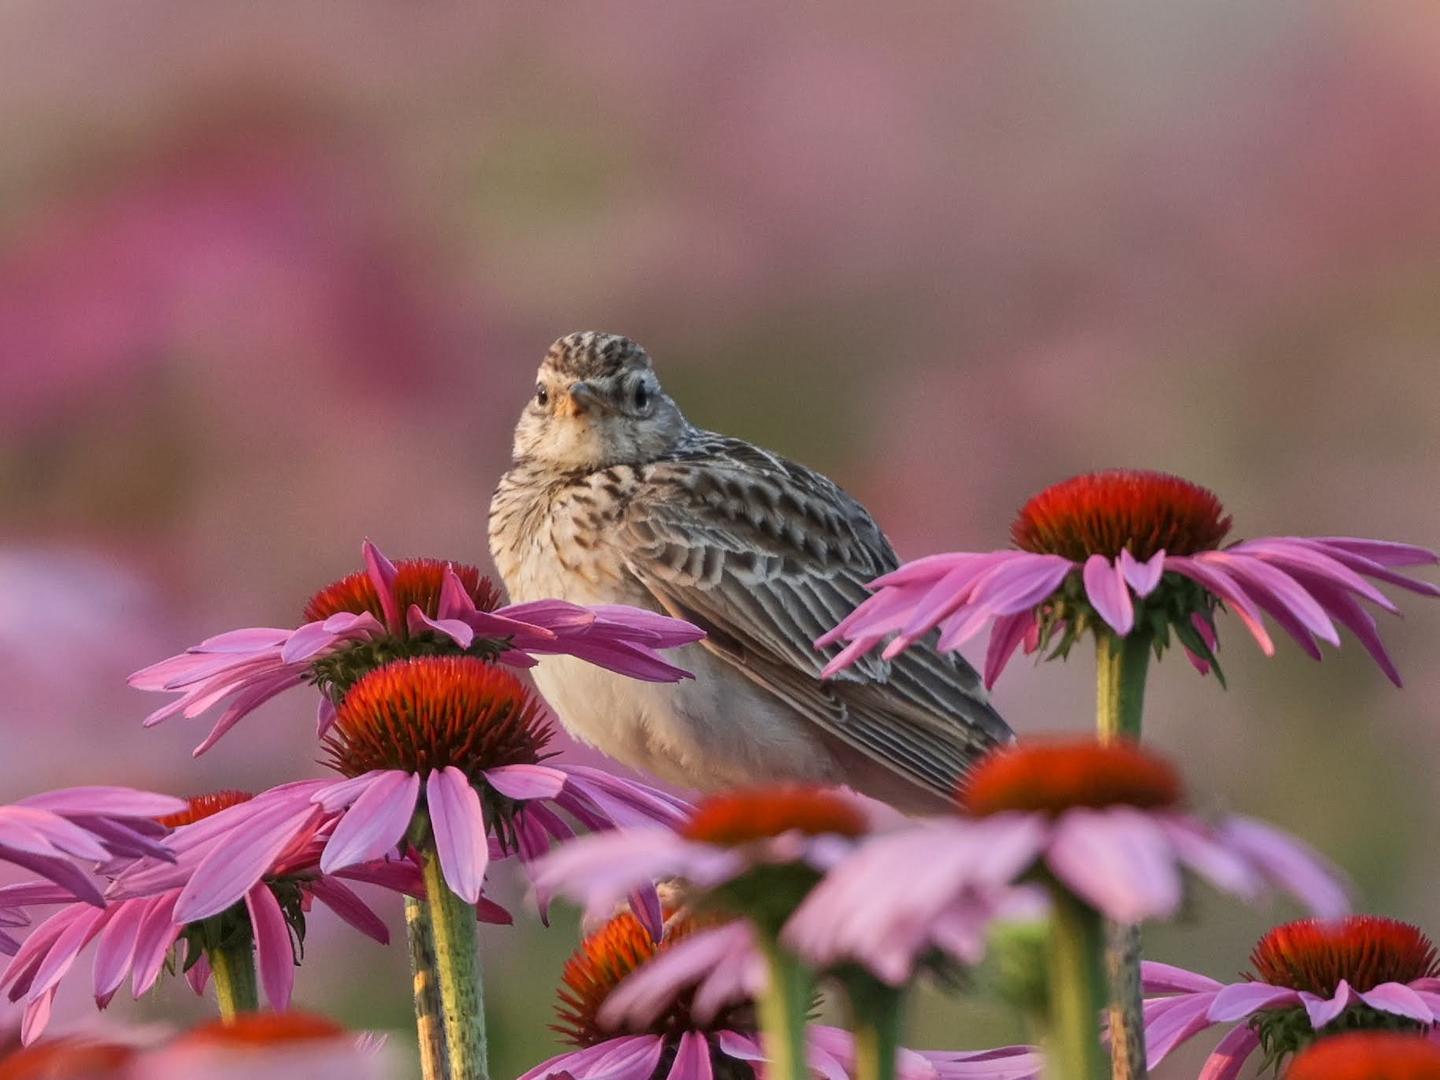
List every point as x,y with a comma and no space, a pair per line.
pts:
742,816
1362,950
417,581
203,806
1052,776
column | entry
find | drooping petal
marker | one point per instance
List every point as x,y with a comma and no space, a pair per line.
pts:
458,631
158,931
458,822
1106,588
1117,860
1005,637
109,801
1290,865
1322,1010
1227,589
245,704
1178,1019
344,902
1230,1054
36,1016
1239,1000
526,781
1399,1000
1384,552
227,872
273,954
692,1058
375,822
116,948
1158,978
1142,576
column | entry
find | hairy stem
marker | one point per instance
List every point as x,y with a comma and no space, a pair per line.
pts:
429,1023
232,969
1121,664
457,972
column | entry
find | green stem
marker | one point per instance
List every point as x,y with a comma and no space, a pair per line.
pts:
457,971
1120,687
1077,990
875,1015
429,1025
232,969
783,1008
1121,664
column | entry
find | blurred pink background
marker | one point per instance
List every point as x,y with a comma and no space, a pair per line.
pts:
272,281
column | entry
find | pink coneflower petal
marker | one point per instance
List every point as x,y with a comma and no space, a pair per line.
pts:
35,1017
1296,557
63,954
243,706
274,957
382,574
1167,978
1384,552
648,992
199,976
526,781
459,632
1143,577
116,949
1118,861
114,801
1322,1010
1290,865
1289,603
1108,593
1238,1000
1180,1019
1198,849
458,822
158,931
1348,612
307,642
1227,589
1005,590
348,906
227,873
375,821
1006,636
59,870
1231,1053
1400,1000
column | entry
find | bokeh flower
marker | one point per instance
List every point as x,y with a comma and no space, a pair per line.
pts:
675,1031
1311,979
285,1046
45,833
69,1058
1129,550
389,611
473,738
244,876
1103,822
1363,1055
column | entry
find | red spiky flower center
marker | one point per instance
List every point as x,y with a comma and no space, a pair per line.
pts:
432,711
1364,950
417,581
1368,1055
738,817
203,806
602,961
254,1029
1055,775
67,1056
1104,513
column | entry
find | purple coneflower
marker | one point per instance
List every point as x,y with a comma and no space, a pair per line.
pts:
1129,550
1312,979
44,833
418,607
271,877
1102,820
672,1031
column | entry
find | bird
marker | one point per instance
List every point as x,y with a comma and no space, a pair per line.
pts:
614,497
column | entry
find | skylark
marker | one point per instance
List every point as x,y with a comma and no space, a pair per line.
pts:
615,498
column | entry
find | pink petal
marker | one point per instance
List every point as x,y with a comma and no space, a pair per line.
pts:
35,1017
111,801
1290,865
375,822
692,1058
1230,1055
461,633
1399,999
1183,1018
1384,552
1323,1010
199,975
1239,1001
306,642
1142,576
273,954
382,574
1118,861
343,901
1289,602
1348,612
1005,637
228,871
455,602
245,704
116,948
1106,588
458,822
1158,978
1221,585
62,955
1303,557
526,781
158,931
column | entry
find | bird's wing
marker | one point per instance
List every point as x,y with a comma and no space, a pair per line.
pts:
766,556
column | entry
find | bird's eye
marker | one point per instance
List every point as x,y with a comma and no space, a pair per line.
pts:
542,395
642,396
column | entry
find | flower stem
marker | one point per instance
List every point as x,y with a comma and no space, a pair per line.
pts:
232,968
1121,664
1077,990
429,1026
457,972
875,1014
783,1008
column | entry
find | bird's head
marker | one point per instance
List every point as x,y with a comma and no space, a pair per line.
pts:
597,403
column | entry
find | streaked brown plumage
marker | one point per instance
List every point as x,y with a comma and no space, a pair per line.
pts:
615,498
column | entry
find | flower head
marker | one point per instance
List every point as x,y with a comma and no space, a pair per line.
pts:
69,1058
753,853
1312,979
1129,551
1368,1055
241,872
393,611
1101,821
629,1012
286,1044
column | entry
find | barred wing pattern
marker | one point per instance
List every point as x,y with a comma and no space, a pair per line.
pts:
766,555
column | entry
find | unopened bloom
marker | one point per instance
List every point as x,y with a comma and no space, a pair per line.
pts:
1365,1055
473,738
1311,979
761,848
45,833
629,1036
1103,821
1132,551
263,864
417,607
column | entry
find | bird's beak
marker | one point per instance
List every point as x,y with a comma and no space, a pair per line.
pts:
581,397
